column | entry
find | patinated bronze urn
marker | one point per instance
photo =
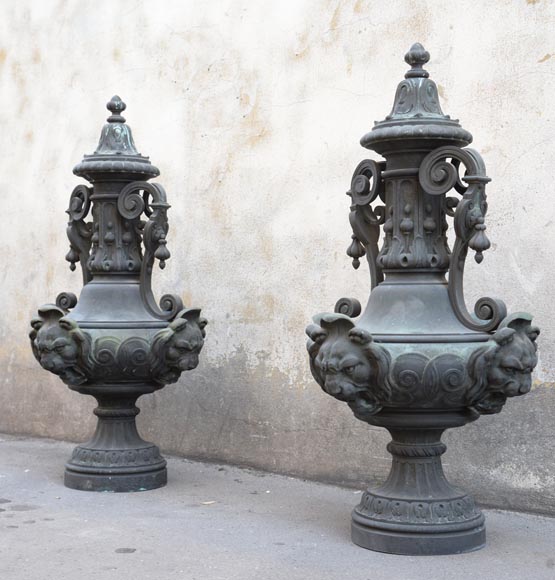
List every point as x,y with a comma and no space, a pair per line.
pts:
116,343
417,362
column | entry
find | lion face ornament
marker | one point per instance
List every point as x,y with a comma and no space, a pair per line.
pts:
512,362
178,346
347,364
184,346
59,345
343,367
508,362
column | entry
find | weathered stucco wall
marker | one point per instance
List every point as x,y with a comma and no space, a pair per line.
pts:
253,112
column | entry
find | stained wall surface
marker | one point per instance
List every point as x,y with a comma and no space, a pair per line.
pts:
253,111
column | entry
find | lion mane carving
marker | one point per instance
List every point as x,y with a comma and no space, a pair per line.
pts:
60,346
503,368
176,348
347,364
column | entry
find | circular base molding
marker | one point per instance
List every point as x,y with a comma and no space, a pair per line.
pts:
116,470
411,542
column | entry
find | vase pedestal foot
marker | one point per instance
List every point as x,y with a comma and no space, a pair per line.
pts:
417,511
114,481
116,459
410,542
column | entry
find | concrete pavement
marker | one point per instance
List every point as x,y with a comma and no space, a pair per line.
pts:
216,522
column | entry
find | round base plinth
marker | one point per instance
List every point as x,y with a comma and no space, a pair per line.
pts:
413,543
129,469
416,511
116,482
116,458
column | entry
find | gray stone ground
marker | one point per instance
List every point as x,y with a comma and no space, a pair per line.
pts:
217,522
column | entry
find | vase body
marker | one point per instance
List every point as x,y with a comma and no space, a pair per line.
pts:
416,361
115,343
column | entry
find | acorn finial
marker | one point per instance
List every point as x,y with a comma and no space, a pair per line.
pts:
417,57
116,106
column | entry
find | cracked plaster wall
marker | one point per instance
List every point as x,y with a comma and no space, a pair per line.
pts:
253,112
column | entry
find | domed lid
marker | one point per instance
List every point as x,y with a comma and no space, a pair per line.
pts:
116,152
416,116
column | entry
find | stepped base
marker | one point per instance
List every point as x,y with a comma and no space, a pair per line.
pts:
419,540
121,470
115,483
417,511
116,458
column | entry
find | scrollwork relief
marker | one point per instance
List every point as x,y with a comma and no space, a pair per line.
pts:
64,349
348,365
417,379
133,357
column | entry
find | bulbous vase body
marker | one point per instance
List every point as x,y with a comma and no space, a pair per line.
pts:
416,361
115,343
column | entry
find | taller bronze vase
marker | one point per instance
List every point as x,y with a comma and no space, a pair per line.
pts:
116,343
417,362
